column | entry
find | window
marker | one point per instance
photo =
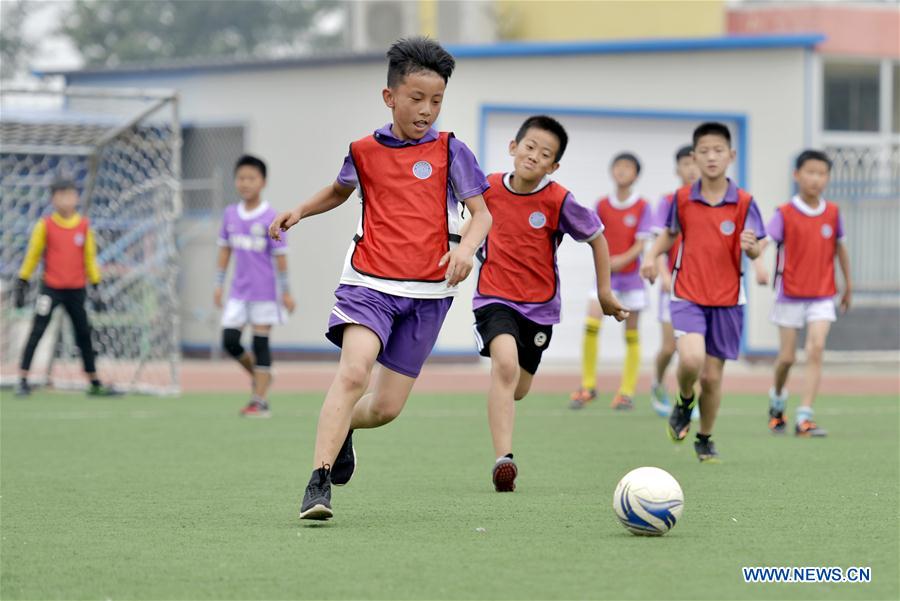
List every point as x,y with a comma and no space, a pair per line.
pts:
851,96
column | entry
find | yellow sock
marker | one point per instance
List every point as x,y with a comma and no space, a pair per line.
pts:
632,363
589,353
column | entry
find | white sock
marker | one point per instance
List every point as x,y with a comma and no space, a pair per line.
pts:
804,414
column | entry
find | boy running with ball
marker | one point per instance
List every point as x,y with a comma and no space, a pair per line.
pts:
403,266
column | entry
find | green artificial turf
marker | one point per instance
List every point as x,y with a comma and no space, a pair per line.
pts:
145,498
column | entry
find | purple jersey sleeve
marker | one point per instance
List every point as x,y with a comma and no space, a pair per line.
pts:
347,176
578,221
775,227
645,224
466,176
277,247
672,223
660,215
754,221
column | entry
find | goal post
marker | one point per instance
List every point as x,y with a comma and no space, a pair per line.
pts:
123,149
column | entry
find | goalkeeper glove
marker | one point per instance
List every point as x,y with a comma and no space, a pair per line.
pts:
97,299
20,292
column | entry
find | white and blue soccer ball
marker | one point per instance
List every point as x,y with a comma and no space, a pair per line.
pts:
648,501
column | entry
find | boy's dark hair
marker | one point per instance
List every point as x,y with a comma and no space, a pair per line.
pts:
712,128
62,183
414,55
684,151
812,155
248,160
627,156
548,124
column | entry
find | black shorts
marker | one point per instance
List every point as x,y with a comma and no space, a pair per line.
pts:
532,339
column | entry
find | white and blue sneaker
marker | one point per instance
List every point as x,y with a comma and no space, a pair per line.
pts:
659,400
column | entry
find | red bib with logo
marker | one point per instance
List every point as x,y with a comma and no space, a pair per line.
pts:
405,221
519,255
806,256
708,267
621,227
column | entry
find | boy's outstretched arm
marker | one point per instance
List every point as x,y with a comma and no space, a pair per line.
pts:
662,245
844,262
221,267
322,201
608,301
459,260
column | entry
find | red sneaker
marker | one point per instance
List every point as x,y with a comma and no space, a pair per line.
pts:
256,409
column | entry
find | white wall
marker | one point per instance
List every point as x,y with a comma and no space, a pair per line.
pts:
301,120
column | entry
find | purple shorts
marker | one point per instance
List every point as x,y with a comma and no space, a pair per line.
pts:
407,327
720,326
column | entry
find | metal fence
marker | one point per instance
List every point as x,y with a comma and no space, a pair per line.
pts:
865,182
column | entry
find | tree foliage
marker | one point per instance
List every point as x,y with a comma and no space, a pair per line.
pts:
15,48
111,32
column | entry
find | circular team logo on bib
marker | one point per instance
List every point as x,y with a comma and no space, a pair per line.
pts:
630,220
827,232
79,239
727,227
257,229
540,339
422,170
537,220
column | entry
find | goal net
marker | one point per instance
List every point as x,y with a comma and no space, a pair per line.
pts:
122,148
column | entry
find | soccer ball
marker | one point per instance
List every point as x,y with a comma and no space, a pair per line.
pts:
648,501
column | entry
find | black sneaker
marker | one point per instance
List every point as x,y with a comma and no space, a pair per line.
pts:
776,421
23,389
706,450
317,498
504,474
344,463
680,420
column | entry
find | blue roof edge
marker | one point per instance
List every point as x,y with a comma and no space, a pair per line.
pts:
733,42
476,51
